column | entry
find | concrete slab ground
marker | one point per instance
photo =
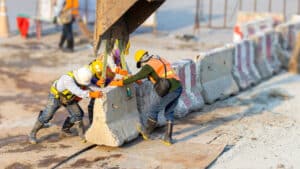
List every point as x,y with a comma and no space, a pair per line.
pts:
260,124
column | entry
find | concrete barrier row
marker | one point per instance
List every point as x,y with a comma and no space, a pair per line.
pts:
213,75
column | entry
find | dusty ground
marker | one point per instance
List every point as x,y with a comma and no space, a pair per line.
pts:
260,124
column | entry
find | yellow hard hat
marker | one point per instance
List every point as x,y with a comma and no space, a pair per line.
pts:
96,66
139,54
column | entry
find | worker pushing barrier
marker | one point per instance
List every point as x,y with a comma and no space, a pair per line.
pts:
115,20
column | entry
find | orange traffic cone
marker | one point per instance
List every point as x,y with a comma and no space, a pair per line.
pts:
4,27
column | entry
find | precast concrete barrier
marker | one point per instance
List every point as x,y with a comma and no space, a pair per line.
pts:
287,38
145,95
261,61
271,43
216,74
115,118
244,71
191,98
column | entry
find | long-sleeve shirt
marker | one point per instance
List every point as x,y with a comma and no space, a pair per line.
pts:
66,82
59,7
148,71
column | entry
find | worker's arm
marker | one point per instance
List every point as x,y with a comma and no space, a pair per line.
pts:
59,7
143,73
70,84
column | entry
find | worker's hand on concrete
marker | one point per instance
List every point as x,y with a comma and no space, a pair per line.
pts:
100,82
121,71
116,83
139,82
96,94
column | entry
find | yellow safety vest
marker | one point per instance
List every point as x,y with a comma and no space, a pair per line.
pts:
68,95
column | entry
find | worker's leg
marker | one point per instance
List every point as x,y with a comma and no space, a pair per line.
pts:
169,114
91,110
63,36
67,126
44,117
70,38
76,117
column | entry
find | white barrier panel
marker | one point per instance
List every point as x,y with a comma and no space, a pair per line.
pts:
216,74
191,98
45,10
115,118
261,61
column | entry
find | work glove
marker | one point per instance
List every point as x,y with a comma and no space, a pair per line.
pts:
116,83
55,20
100,82
121,71
95,94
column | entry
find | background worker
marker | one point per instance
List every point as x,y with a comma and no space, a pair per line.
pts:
66,11
156,68
67,91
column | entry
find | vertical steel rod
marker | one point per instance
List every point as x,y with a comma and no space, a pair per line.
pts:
210,12
270,5
241,5
255,5
197,25
284,10
225,13
298,6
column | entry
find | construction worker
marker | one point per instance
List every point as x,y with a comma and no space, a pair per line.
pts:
66,12
67,91
158,70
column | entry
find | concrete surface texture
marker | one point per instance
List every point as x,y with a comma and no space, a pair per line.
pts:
115,118
216,77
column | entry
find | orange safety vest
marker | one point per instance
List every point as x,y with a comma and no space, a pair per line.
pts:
72,4
159,68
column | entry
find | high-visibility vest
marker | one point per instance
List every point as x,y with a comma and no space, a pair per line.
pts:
67,94
73,5
159,68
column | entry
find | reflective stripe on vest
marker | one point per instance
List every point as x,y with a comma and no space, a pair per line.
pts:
159,68
72,4
66,93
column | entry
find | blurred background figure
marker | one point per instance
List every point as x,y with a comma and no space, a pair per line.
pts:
66,11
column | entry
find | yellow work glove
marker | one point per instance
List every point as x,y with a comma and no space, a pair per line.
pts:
116,83
95,94
121,71
100,82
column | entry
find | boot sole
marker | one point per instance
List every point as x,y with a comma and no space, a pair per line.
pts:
166,143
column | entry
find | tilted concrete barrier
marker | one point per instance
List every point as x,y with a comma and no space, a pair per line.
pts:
115,118
145,95
216,77
271,43
261,61
191,98
244,71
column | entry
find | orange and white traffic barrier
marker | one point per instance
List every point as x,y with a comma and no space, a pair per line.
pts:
4,26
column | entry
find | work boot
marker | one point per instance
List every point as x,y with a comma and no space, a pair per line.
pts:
80,130
146,131
67,126
167,139
32,136
70,46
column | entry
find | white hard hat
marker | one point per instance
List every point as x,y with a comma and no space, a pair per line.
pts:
83,76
